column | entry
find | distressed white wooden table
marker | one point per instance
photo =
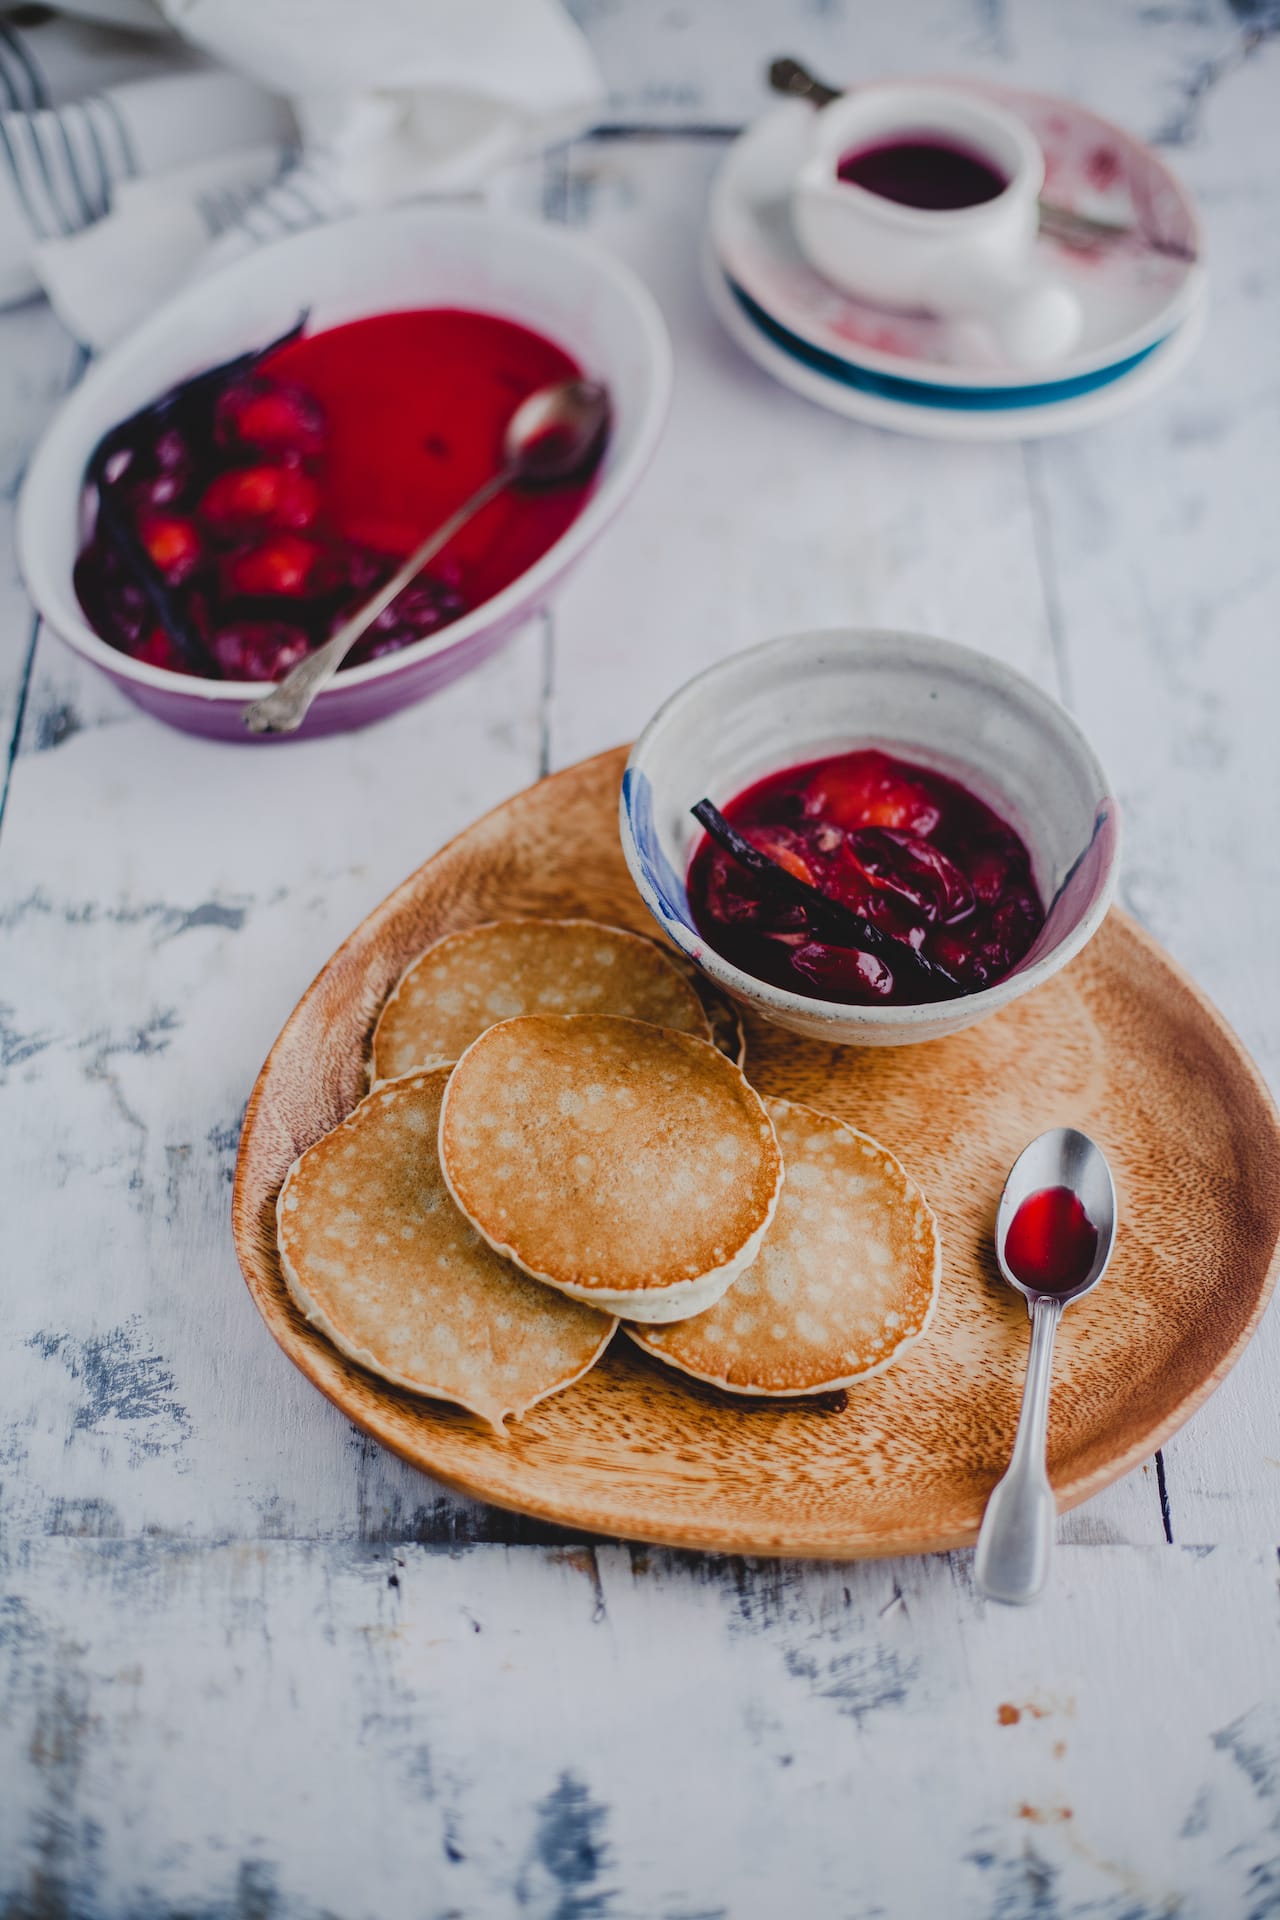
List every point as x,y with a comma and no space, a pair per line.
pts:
249,1664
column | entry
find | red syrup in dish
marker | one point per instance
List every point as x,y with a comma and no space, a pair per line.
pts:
272,505
1051,1242
910,850
924,171
417,404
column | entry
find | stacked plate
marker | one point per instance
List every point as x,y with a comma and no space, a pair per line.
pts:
1142,295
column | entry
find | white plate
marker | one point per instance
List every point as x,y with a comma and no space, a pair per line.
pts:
948,422
1131,296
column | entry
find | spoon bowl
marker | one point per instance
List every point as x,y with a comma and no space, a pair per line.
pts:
1015,1542
557,434
1063,1157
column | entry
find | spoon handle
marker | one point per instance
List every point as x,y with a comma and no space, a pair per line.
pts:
285,709
1016,1540
788,76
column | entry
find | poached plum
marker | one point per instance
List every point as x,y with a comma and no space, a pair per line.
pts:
908,849
249,511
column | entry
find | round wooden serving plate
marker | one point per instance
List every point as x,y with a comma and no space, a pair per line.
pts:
1121,1044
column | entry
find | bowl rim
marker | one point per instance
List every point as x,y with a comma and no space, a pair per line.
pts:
967,1007
55,601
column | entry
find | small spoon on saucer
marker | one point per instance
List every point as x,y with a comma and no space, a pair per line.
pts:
1055,1228
555,436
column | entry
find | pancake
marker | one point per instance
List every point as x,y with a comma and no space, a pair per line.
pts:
380,1260
727,1030
627,1165
468,981
846,1279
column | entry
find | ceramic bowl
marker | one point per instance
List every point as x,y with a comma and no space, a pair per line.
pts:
418,256
942,705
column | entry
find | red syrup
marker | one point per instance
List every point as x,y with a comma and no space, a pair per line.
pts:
417,404
910,850
940,175
273,505
1051,1242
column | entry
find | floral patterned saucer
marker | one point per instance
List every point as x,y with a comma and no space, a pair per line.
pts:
1135,292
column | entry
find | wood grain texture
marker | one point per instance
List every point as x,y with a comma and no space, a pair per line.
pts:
37,364
1121,1044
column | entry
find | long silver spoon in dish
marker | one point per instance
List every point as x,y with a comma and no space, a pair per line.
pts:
1016,1539
554,436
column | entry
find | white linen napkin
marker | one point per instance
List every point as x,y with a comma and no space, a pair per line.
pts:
85,111
117,196
409,96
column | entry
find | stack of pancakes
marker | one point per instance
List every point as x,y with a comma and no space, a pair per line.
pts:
559,1135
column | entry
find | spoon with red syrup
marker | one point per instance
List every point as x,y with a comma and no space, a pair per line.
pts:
1055,1228
556,435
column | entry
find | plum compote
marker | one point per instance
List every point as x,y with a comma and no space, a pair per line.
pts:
923,171
246,513
910,850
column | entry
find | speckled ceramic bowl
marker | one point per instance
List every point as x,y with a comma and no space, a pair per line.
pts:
942,705
414,257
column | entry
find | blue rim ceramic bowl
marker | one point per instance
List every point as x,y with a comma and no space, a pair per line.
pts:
942,705
419,256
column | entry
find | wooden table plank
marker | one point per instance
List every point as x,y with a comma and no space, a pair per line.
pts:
163,903
286,1728
705,64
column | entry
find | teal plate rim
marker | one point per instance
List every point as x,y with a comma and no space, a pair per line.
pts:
921,393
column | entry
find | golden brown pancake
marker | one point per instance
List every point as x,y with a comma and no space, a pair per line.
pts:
727,1030
628,1165
378,1258
846,1278
468,981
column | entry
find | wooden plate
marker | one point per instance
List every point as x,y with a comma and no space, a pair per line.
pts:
1121,1044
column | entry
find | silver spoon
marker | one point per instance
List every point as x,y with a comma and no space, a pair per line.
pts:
554,436
1016,1540
1078,230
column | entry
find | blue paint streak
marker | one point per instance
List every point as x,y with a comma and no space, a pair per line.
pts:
673,901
